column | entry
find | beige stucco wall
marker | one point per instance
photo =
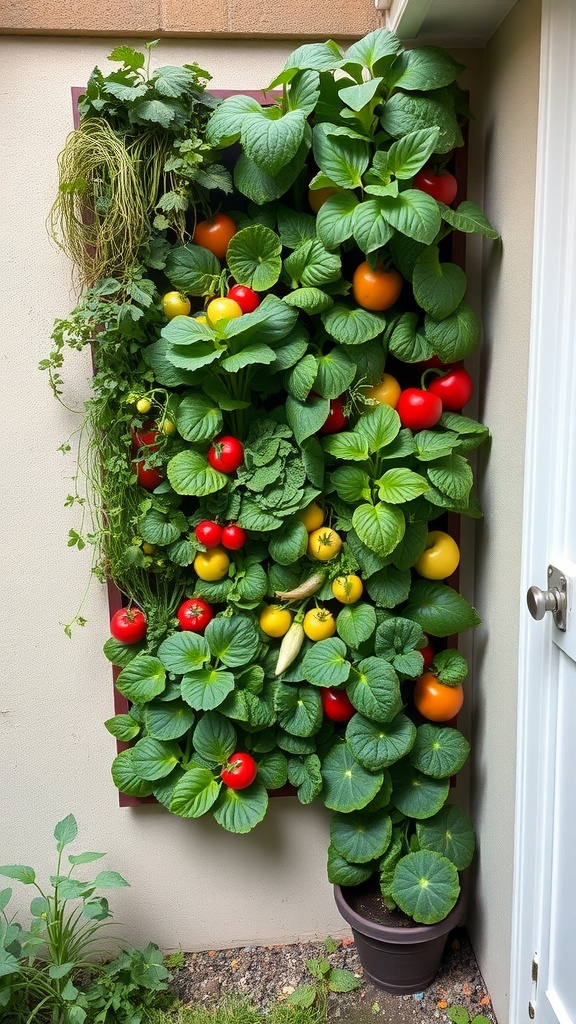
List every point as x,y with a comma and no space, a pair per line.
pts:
193,884
510,126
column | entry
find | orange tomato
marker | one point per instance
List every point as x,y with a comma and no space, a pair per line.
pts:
318,196
387,392
376,289
436,701
215,234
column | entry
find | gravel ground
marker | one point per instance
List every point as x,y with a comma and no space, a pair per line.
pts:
268,973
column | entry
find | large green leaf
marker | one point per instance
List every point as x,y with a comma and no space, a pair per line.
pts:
351,483
312,265
325,663
260,186
399,485
375,49
404,113
192,269
240,810
342,872
415,794
380,527
406,156
206,688
168,721
153,759
450,833
397,640
374,689
273,770
438,287
301,377
358,96
413,213
439,751
299,709
347,445
142,680
190,473
456,336
311,300
195,793
469,218
425,886
360,836
335,219
352,325
370,227
306,418
123,727
439,609
198,418
452,475
378,745
389,586
342,159
253,257
125,776
356,623
225,123
271,140
183,652
423,69
335,371
348,786
232,639
214,737
408,342
156,528
379,425
304,92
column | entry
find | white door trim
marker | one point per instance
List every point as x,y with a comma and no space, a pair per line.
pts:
550,407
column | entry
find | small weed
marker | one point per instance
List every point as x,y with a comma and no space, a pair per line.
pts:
175,960
326,979
236,1011
460,1015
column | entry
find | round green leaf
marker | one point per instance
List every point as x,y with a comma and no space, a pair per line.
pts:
253,257
123,727
233,640
361,837
153,759
214,737
190,473
389,586
415,794
311,300
335,218
192,269
163,789
425,886
335,372
183,652
341,872
356,623
299,709
352,326
240,810
439,751
439,609
380,527
380,425
271,141
121,654
126,777
325,664
399,485
374,689
450,833
168,721
290,543
377,745
198,418
452,475
351,483
142,680
273,770
156,528
438,287
194,793
456,336
348,786
206,688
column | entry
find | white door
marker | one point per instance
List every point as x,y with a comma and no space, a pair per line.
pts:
543,984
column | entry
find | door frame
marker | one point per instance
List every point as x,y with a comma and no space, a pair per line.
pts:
549,445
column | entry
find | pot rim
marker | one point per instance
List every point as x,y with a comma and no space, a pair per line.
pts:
389,933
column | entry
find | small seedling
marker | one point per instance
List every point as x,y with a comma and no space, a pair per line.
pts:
326,979
175,960
460,1015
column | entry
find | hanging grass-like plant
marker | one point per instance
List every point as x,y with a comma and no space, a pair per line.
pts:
100,215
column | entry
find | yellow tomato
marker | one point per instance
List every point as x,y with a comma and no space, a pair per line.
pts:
440,557
312,516
347,589
222,309
148,549
319,624
143,405
201,319
211,565
324,544
387,392
318,196
175,304
275,621
167,426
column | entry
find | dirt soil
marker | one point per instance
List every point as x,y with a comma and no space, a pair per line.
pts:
265,974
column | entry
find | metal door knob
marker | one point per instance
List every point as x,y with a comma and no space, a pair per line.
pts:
552,600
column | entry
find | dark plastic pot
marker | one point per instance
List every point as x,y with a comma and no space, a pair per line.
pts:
399,960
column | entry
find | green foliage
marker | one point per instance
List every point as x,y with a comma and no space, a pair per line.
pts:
53,971
325,979
362,123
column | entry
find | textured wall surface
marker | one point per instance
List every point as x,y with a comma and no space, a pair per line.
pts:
151,18
510,130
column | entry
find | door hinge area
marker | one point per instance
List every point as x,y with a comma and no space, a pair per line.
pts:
534,979
534,971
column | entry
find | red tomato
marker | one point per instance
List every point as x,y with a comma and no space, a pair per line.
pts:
336,704
194,615
128,625
336,419
246,297
208,533
427,653
233,537
148,477
418,409
215,234
454,389
239,771
226,454
442,186
145,437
